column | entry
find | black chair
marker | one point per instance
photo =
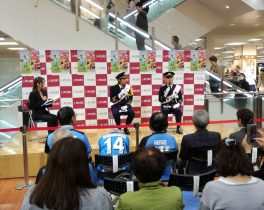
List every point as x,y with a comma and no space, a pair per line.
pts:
120,186
186,182
40,174
199,161
113,165
171,157
258,158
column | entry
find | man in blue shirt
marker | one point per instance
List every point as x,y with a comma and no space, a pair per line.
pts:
67,119
60,134
160,139
115,143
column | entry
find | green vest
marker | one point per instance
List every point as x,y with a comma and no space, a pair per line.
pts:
152,196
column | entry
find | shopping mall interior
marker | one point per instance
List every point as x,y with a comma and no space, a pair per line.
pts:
34,32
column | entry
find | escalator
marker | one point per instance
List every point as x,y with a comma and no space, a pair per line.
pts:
104,19
10,99
229,99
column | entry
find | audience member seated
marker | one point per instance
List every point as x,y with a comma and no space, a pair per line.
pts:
244,117
114,143
67,118
160,139
202,138
248,148
62,133
148,165
66,183
236,188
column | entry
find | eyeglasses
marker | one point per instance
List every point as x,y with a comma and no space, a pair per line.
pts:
230,142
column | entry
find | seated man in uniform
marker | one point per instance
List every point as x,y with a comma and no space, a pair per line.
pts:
158,123
121,95
170,96
67,119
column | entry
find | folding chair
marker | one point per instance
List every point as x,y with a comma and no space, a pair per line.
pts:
120,186
193,183
30,122
171,157
113,165
256,157
201,160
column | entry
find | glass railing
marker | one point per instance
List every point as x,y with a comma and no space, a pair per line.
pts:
225,85
10,99
225,106
104,18
10,93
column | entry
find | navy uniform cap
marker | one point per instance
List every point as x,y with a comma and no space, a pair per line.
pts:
121,75
168,74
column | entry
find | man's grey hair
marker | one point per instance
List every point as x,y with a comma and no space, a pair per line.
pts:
200,119
61,133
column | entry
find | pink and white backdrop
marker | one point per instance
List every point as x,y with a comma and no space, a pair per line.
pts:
88,92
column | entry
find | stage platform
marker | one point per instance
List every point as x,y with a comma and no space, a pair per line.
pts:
11,153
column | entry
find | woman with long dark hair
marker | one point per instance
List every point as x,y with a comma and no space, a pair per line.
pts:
66,183
37,98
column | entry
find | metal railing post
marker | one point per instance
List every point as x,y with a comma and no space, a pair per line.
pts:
136,126
35,3
206,104
26,184
153,37
259,110
116,31
77,6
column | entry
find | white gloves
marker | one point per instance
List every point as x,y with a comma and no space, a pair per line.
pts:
122,94
127,88
176,106
123,108
166,92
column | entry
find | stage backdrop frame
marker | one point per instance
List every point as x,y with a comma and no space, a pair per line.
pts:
82,79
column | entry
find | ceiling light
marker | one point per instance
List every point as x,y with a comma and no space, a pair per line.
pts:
8,43
232,24
198,40
17,48
218,48
235,43
256,24
228,51
2,39
227,6
254,40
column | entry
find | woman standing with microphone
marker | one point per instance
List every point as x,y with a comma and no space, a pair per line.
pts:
38,104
